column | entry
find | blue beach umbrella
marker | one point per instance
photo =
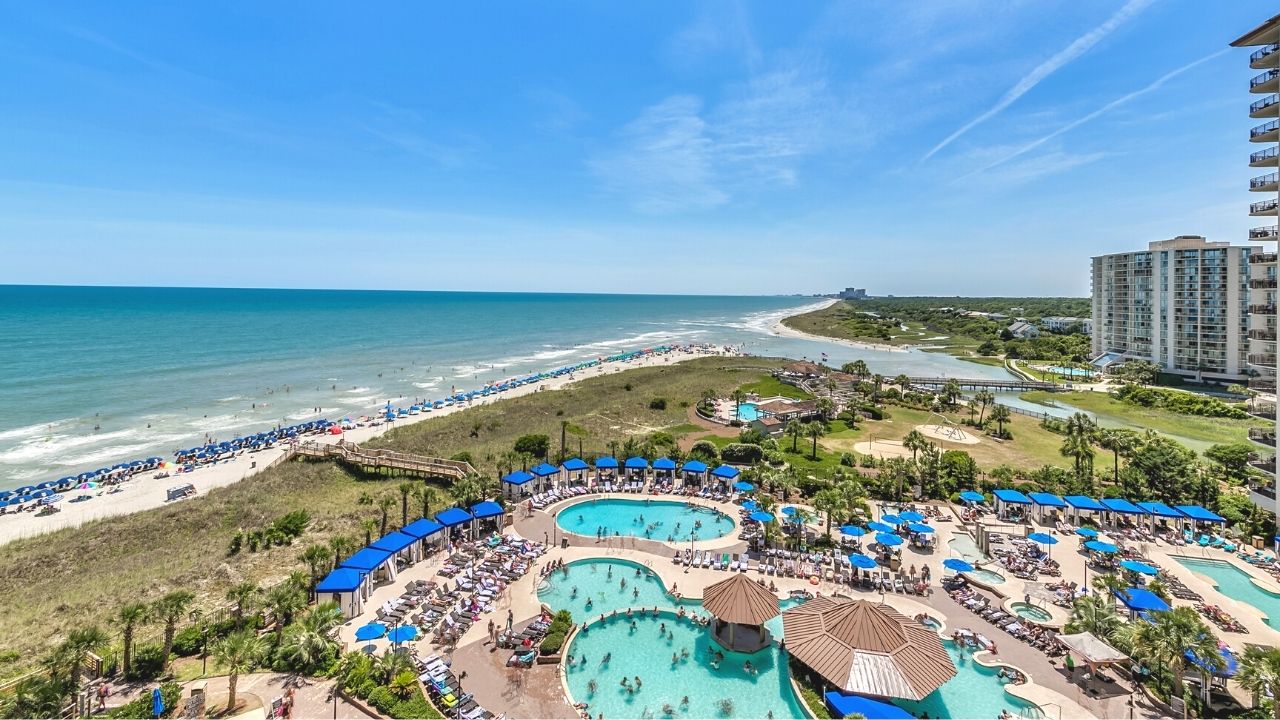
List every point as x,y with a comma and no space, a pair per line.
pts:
743,486
761,516
880,527
920,528
888,540
891,519
852,531
957,564
862,562
1101,547
372,631
1139,567
1043,538
404,633
750,506
971,496
911,516
788,510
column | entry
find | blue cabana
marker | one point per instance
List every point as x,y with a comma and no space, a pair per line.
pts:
606,463
664,463
1122,506
341,580
544,470
972,496
1083,502
394,542
636,463
843,705
1013,497
486,509
453,516
575,465
517,478
726,472
1141,599
1199,514
1160,509
422,528
368,559
1229,662
694,466
1044,499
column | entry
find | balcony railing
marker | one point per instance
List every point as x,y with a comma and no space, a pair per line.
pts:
1263,436
1263,52
1262,358
1264,155
1263,410
1262,284
1268,335
1265,464
1264,78
1265,232
1264,103
1263,181
1262,257
1263,384
1266,206
1262,309
1264,128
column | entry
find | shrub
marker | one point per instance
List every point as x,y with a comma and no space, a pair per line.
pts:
704,450
536,445
1182,403
382,699
141,708
627,387
552,643
187,642
658,404
365,688
292,524
463,456
742,453
237,541
413,709
148,662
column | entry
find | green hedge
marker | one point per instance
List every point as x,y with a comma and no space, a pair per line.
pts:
141,708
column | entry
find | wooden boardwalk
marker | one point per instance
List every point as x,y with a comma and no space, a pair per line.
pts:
935,383
384,461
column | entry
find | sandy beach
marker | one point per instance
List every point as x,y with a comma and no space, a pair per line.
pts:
145,492
779,328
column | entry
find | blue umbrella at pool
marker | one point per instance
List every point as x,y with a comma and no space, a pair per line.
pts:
750,506
892,519
1043,538
919,528
911,516
957,564
743,486
404,633
852,531
1099,546
1087,532
880,527
888,540
971,496
372,631
761,516
862,562
788,510
1139,567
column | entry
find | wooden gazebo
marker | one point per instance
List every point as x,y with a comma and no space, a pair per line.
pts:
740,607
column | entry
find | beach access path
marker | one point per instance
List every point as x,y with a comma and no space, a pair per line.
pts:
145,492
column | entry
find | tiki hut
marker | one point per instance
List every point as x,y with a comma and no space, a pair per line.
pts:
740,607
867,648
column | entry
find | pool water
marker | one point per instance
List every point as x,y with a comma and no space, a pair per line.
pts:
1031,612
1235,583
748,412
964,547
1071,372
986,577
662,520
975,692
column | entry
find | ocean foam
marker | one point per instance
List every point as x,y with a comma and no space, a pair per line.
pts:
35,430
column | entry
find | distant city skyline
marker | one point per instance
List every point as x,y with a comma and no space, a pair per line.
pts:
942,148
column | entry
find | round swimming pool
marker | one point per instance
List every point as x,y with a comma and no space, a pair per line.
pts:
1030,612
662,520
986,577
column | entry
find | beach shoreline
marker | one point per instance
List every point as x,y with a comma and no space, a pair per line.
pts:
146,492
781,329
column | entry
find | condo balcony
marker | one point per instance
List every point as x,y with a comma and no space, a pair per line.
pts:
1263,436
1262,309
1265,82
1262,284
1265,463
1268,335
1265,183
1268,359
1266,132
1264,158
1264,410
1263,385
1264,233
1265,57
1266,207
1262,257
1268,106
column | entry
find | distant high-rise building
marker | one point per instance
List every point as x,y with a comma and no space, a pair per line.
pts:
1181,303
853,294
1262,265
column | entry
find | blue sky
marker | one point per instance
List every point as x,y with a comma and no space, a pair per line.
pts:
942,148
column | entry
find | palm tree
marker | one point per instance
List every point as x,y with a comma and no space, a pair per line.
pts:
815,430
1094,615
469,490
405,489
1119,442
71,653
915,442
129,617
828,501
859,368
170,610
237,653
785,482
1079,449
903,382
340,545
309,640
794,430
826,407
1160,589
951,392
243,595
1260,674
983,398
314,556
36,696
1163,642
369,527
1109,584
877,380
285,601
403,684
1002,415
427,496
738,397
385,503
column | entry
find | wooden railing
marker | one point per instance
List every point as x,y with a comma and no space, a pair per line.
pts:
381,459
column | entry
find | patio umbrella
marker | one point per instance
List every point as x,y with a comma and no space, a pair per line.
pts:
1101,547
957,564
862,562
372,631
750,506
911,516
852,531
888,540
1043,538
788,510
761,516
743,486
891,519
919,528
87,486
971,496
404,633
1139,567
880,527
1087,532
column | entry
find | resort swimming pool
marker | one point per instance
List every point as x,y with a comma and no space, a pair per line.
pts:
1031,612
1236,583
975,692
986,577
964,547
1071,372
651,519
747,412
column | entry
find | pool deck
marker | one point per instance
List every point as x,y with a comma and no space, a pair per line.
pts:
538,692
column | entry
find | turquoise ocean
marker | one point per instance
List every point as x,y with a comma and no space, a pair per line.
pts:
91,376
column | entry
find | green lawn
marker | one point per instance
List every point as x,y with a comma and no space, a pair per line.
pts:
1201,431
773,387
983,360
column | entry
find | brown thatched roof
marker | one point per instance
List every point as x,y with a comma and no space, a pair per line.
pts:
867,648
740,600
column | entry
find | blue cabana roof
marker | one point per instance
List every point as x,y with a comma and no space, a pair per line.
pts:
486,509
636,463
843,705
368,559
606,462
1123,506
1045,499
1229,663
663,463
422,528
544,469
1159,509
1139,599
694,466
1012,496
453,516
341,580
574,464
1083,502
725,471
519,477
1195,512
394,541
